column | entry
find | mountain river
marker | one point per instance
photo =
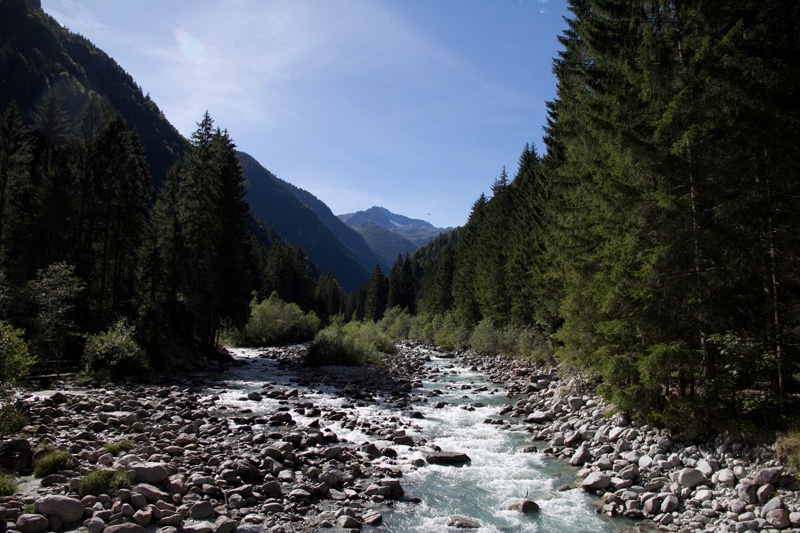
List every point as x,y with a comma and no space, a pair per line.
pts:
498,474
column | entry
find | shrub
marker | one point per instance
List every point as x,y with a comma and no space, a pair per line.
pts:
485,338
15,361
103,482
115,448
274,322
12,419
115,353
349,345
7,486
396,323
51,462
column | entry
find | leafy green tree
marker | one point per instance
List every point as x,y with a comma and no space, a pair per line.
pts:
15,360
54,291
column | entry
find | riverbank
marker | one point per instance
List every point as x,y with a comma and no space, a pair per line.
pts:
643,473
200,465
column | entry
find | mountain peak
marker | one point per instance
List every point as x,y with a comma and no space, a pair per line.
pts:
418,231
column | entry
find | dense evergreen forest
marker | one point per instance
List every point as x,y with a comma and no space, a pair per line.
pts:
653,249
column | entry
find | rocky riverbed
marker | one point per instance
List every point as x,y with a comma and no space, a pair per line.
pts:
199,465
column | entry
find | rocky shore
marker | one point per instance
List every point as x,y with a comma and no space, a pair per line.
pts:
198,465
641,472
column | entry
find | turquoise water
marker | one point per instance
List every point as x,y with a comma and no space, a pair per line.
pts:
498,474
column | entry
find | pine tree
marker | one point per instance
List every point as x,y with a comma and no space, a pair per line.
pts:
377,294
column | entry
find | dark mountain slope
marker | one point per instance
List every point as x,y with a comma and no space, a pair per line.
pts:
38,55
346,235
385,243
278,206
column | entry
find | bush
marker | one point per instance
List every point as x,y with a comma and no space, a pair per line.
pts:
396,323
485,338
15,361
115,353
103,482
51,462
7,486
115,448
12,419
274,322
349,345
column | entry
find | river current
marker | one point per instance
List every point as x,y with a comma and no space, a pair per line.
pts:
482,490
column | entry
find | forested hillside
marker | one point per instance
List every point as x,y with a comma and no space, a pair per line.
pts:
655,246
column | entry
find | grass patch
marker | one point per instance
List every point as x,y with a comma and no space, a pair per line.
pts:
103,482
51,462
115,448
349,344
7,486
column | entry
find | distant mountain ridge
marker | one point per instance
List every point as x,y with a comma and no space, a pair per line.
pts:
419,232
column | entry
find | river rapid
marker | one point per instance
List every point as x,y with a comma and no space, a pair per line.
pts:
450,410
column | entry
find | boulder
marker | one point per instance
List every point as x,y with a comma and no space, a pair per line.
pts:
726,477
125,528
31,523
149,472
447,458
582,456
525,506
461,522
67,509
767,476
595,481
747,491
690,477
778,518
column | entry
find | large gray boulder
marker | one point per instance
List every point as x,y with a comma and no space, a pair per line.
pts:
31,523
149,472
595,481
690,477
68,509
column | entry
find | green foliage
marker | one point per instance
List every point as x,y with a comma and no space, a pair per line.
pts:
55,291
115,448
349,344
7,486
787,446
396,323
15,361
12,419
485,337
274,322
115,353
51,462
103,482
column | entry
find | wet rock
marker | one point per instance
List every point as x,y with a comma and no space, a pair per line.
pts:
447,458
461,522
525,506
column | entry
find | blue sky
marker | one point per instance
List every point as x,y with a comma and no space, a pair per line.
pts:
413,105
